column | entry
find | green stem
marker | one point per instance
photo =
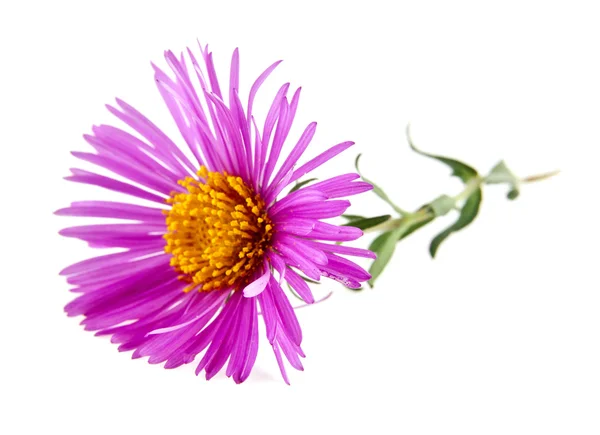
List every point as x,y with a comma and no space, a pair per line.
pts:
401,211
385,226
473,184
539,177
424,213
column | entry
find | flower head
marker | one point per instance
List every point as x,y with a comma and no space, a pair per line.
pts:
197,269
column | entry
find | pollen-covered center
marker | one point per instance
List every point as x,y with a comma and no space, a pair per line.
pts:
217,231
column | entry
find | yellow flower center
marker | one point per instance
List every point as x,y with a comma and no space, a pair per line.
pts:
218,231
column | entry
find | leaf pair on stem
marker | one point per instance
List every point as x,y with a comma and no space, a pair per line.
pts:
467,202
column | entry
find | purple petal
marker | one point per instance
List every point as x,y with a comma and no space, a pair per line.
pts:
107,260
130,171
299,260
111,273
151,132
81,176
297,199
116,210
320,159
280,362
240,350
290,350
286,313
253,348
269,313
299,227
259,81
258,285
317,210
299,285
296,244
294,155
346,268
335,233
341,249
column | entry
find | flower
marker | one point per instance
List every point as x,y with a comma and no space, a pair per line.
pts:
195,272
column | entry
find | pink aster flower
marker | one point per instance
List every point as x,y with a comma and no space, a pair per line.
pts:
199,267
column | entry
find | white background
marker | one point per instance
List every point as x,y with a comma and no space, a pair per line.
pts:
500,334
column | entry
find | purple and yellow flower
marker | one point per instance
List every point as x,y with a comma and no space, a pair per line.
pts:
196,270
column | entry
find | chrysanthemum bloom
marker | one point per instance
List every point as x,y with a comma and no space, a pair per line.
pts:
195,272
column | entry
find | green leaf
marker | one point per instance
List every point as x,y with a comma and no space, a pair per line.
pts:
300,184
352,217
459,169
501,174
385,249
415,227
467,215
378,241
377,190
365,223
442,205
384,245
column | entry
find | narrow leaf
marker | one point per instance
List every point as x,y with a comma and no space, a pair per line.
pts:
366,223
384,245
468,213
501,174
459,169
352,217
378,241
385,250
415,227
300,184
377,190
